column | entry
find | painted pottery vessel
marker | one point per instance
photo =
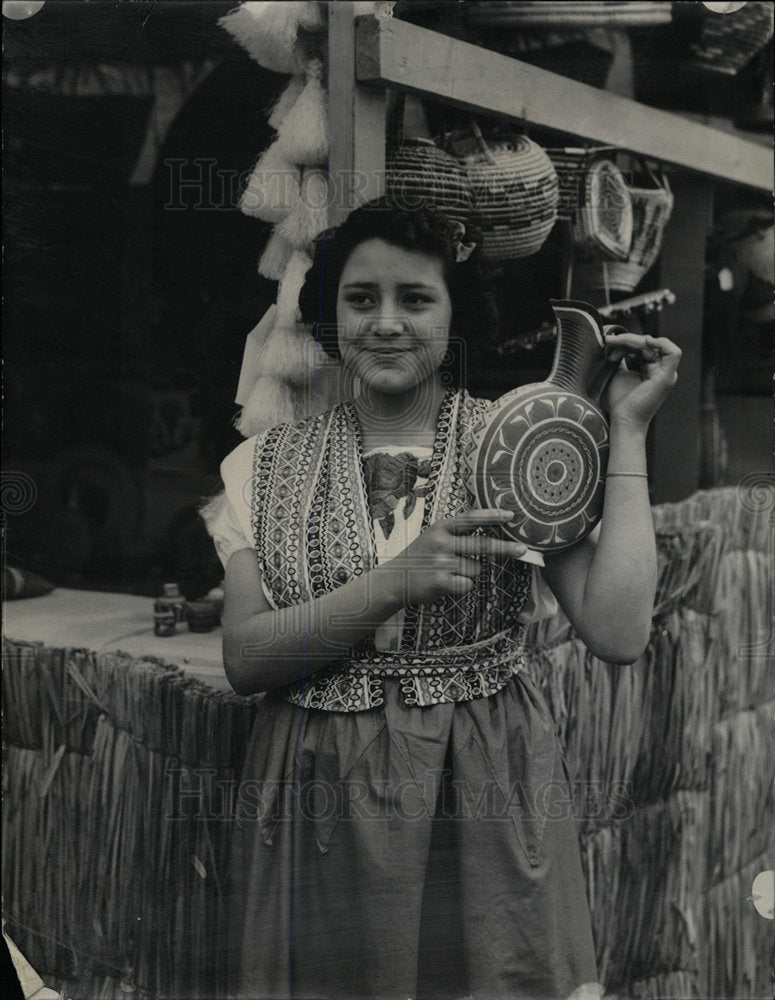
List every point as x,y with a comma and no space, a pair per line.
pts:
542,449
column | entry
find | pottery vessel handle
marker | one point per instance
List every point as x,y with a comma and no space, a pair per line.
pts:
580,364
603,370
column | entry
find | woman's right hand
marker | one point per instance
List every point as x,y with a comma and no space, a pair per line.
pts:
444,559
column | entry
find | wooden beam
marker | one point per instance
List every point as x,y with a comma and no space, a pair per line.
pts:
356,169
392,53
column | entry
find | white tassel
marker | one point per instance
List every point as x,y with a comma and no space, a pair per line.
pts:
290,354
251,355
285,101
323,389
303,135
271,402
273,188
274,401
290,286
310,215
268,31
274,259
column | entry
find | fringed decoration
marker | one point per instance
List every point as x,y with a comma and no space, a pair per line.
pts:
290,354
275,401
310,215
274,187
275,257
303,135
268,31
297,380
286,100
290,287
322,390
270,403
251,356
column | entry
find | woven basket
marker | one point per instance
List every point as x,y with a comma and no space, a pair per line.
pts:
651,210
728,41
602,223
549,14
419,173
515,191
571,165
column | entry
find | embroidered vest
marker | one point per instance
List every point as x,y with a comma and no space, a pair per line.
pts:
313,532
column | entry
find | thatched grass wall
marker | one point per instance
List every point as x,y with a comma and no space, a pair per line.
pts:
672,764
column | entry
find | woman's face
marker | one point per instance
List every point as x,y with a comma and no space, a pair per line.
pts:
393,313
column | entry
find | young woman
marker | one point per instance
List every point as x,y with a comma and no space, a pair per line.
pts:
405,817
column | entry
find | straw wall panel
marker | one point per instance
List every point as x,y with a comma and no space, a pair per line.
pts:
740,948
645,878
742,790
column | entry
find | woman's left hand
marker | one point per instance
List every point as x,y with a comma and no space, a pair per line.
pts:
635,396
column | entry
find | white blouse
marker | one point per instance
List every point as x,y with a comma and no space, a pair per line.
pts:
398,477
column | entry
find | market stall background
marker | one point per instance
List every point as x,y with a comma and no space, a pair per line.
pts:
131,283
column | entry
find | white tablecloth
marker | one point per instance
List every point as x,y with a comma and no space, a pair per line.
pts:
110,622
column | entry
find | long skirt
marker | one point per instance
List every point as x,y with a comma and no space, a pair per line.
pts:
409,852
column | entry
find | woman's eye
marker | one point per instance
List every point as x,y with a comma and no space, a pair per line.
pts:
359,299
415,299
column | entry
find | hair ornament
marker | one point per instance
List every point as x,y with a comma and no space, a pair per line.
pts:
462,250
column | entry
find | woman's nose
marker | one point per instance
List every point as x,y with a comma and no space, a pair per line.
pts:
388,324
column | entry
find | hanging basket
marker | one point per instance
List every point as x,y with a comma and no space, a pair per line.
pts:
728,41
651,210
602,224
515,191
571,165
559,15
419,173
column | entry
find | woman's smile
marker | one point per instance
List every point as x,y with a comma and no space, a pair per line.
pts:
389,351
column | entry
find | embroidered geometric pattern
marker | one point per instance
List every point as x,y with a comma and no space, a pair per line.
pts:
309,487
338,690
459,674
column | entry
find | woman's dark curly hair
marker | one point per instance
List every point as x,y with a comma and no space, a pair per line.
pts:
473,329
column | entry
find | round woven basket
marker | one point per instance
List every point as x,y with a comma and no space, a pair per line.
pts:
727,42
419,173
515,191
571,166
651,210
563,14
602,223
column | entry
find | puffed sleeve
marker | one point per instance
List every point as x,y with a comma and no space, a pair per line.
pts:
221,521
227,515
541,602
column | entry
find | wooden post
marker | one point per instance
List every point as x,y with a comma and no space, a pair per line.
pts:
676,446
356,157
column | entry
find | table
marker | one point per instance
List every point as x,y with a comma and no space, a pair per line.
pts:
113,622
